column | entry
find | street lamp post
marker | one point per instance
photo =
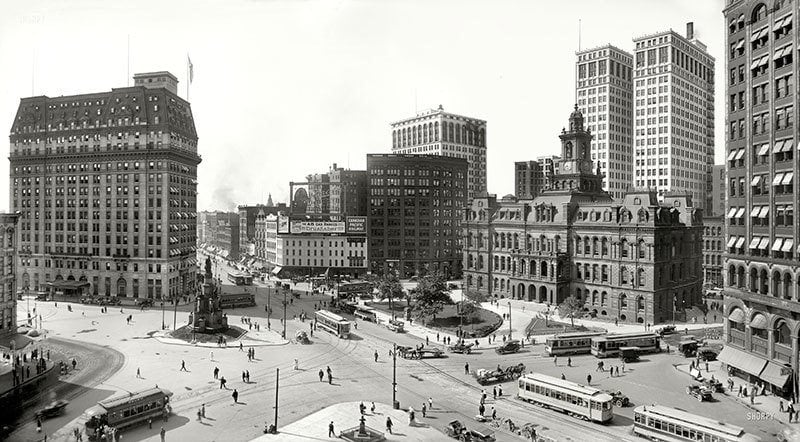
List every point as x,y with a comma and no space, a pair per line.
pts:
509,320
284,314
395,405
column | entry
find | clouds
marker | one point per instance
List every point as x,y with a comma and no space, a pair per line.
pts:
283,88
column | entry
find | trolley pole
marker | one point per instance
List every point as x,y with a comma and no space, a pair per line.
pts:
277,381
395,405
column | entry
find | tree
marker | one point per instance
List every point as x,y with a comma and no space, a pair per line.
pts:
431,295
388,286
570,307
467,309
475,296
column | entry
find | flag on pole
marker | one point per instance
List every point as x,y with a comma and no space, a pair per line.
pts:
191,68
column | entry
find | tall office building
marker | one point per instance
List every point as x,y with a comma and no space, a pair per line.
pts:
717,195
531,177
673,114
8,286
604,92
762,282
436,132
340,192
105,184
416,204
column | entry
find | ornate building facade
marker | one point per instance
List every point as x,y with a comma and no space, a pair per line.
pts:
8,289
634,260
105,184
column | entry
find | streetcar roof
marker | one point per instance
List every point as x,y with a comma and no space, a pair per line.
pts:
330,315
626,336
572,335
568,386
707,424
133,397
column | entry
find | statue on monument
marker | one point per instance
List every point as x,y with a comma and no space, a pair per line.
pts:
208,266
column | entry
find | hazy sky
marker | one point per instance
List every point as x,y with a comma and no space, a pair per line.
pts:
285,88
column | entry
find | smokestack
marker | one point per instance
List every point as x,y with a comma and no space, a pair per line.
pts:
690,30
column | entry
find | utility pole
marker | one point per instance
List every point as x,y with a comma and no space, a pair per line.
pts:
175,314
277,381
395,405
509,320
284,314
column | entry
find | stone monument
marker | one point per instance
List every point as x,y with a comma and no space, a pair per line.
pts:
207,316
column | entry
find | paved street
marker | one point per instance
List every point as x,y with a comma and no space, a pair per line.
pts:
357,377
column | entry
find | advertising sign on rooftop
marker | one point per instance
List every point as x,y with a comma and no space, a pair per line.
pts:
357,224
318,227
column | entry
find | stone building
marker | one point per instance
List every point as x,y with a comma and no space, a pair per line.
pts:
631,260
8,289
713,250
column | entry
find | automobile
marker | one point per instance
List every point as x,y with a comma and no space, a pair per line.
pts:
715,385
461,348
688,346
707,353
457,430
53,409
302,337
41,296
629,354
700,392
667,330
147,302
395,325
511,346
620,399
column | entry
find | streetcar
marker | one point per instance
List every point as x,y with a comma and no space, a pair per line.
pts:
577,400
570,343
333,323
240,278
126,410
609,345
233,300
366,313
661,423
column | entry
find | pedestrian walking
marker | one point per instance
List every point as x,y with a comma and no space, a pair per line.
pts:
780,406
563,378
211,356
163,434
623,367
481,409
500,390
244,378
494,413
222,383
199,415
706,366
321,375
247,376
494,393
424,409
216,372
589,379
569,362
430,403
372,408
790,410
203,410
235,395
555,361
739,394
389,424
330,378
296,364
376,355
183,366
466,368
331,432
138,373
426,343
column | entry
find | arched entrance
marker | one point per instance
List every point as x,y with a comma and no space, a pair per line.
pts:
122,287
542,294
521,291
531,293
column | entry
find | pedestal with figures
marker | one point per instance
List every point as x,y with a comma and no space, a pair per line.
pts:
207,316
362,433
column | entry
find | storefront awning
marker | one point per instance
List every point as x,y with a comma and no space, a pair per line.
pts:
776,374
276,270
739,154
759,321
756,180
787,179
731,155
755,211
777,180
742,360
737,315
786,145
778,146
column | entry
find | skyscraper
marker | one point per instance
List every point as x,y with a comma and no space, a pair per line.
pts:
105,184
604,91
673,114
762,282
436,132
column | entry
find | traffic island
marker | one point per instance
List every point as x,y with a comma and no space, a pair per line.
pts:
187,333
362,433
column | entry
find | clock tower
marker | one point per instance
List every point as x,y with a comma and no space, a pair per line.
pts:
576,174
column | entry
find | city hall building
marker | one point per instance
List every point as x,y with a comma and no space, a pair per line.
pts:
105,187
633,260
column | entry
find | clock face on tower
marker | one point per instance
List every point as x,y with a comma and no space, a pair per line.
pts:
567,167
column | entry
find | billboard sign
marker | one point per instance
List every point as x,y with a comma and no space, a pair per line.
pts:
283,224
357,224
318,227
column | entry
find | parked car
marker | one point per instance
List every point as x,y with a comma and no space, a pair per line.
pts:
461,348
667,330
700,392
511,346
395,325
620,400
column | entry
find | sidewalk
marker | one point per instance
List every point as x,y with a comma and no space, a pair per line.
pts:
346,415
766,404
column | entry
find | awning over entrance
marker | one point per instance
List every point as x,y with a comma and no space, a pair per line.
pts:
742,360
776,374
277,270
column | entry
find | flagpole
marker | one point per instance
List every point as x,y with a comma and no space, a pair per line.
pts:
188,78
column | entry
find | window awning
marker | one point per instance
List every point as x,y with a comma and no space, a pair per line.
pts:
754,242
787,145
787,21
732,212
758,321
776,374
740,45
764,60
731,155
778,23
764,149
755,211
776,246
737,315
764,244
787,179
778,147
740,212
739,154
742,360
755,64
756,180
778,53
788,243
740,242
757,34
764,212
778,178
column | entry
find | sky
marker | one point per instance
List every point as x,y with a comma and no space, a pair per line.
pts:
283,89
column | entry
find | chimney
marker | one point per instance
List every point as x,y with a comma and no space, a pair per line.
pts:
690,31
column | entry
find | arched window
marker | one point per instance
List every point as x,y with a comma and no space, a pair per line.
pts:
595,272
458,133
594,297
604,273
787,286
578,274
414,135
451,137
642,249
595,246
436,131
623,248
623,301
480,264
544,269
394,138
782,333
759,13
641,277
425,133
640,303
603,298
604,246
624,275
